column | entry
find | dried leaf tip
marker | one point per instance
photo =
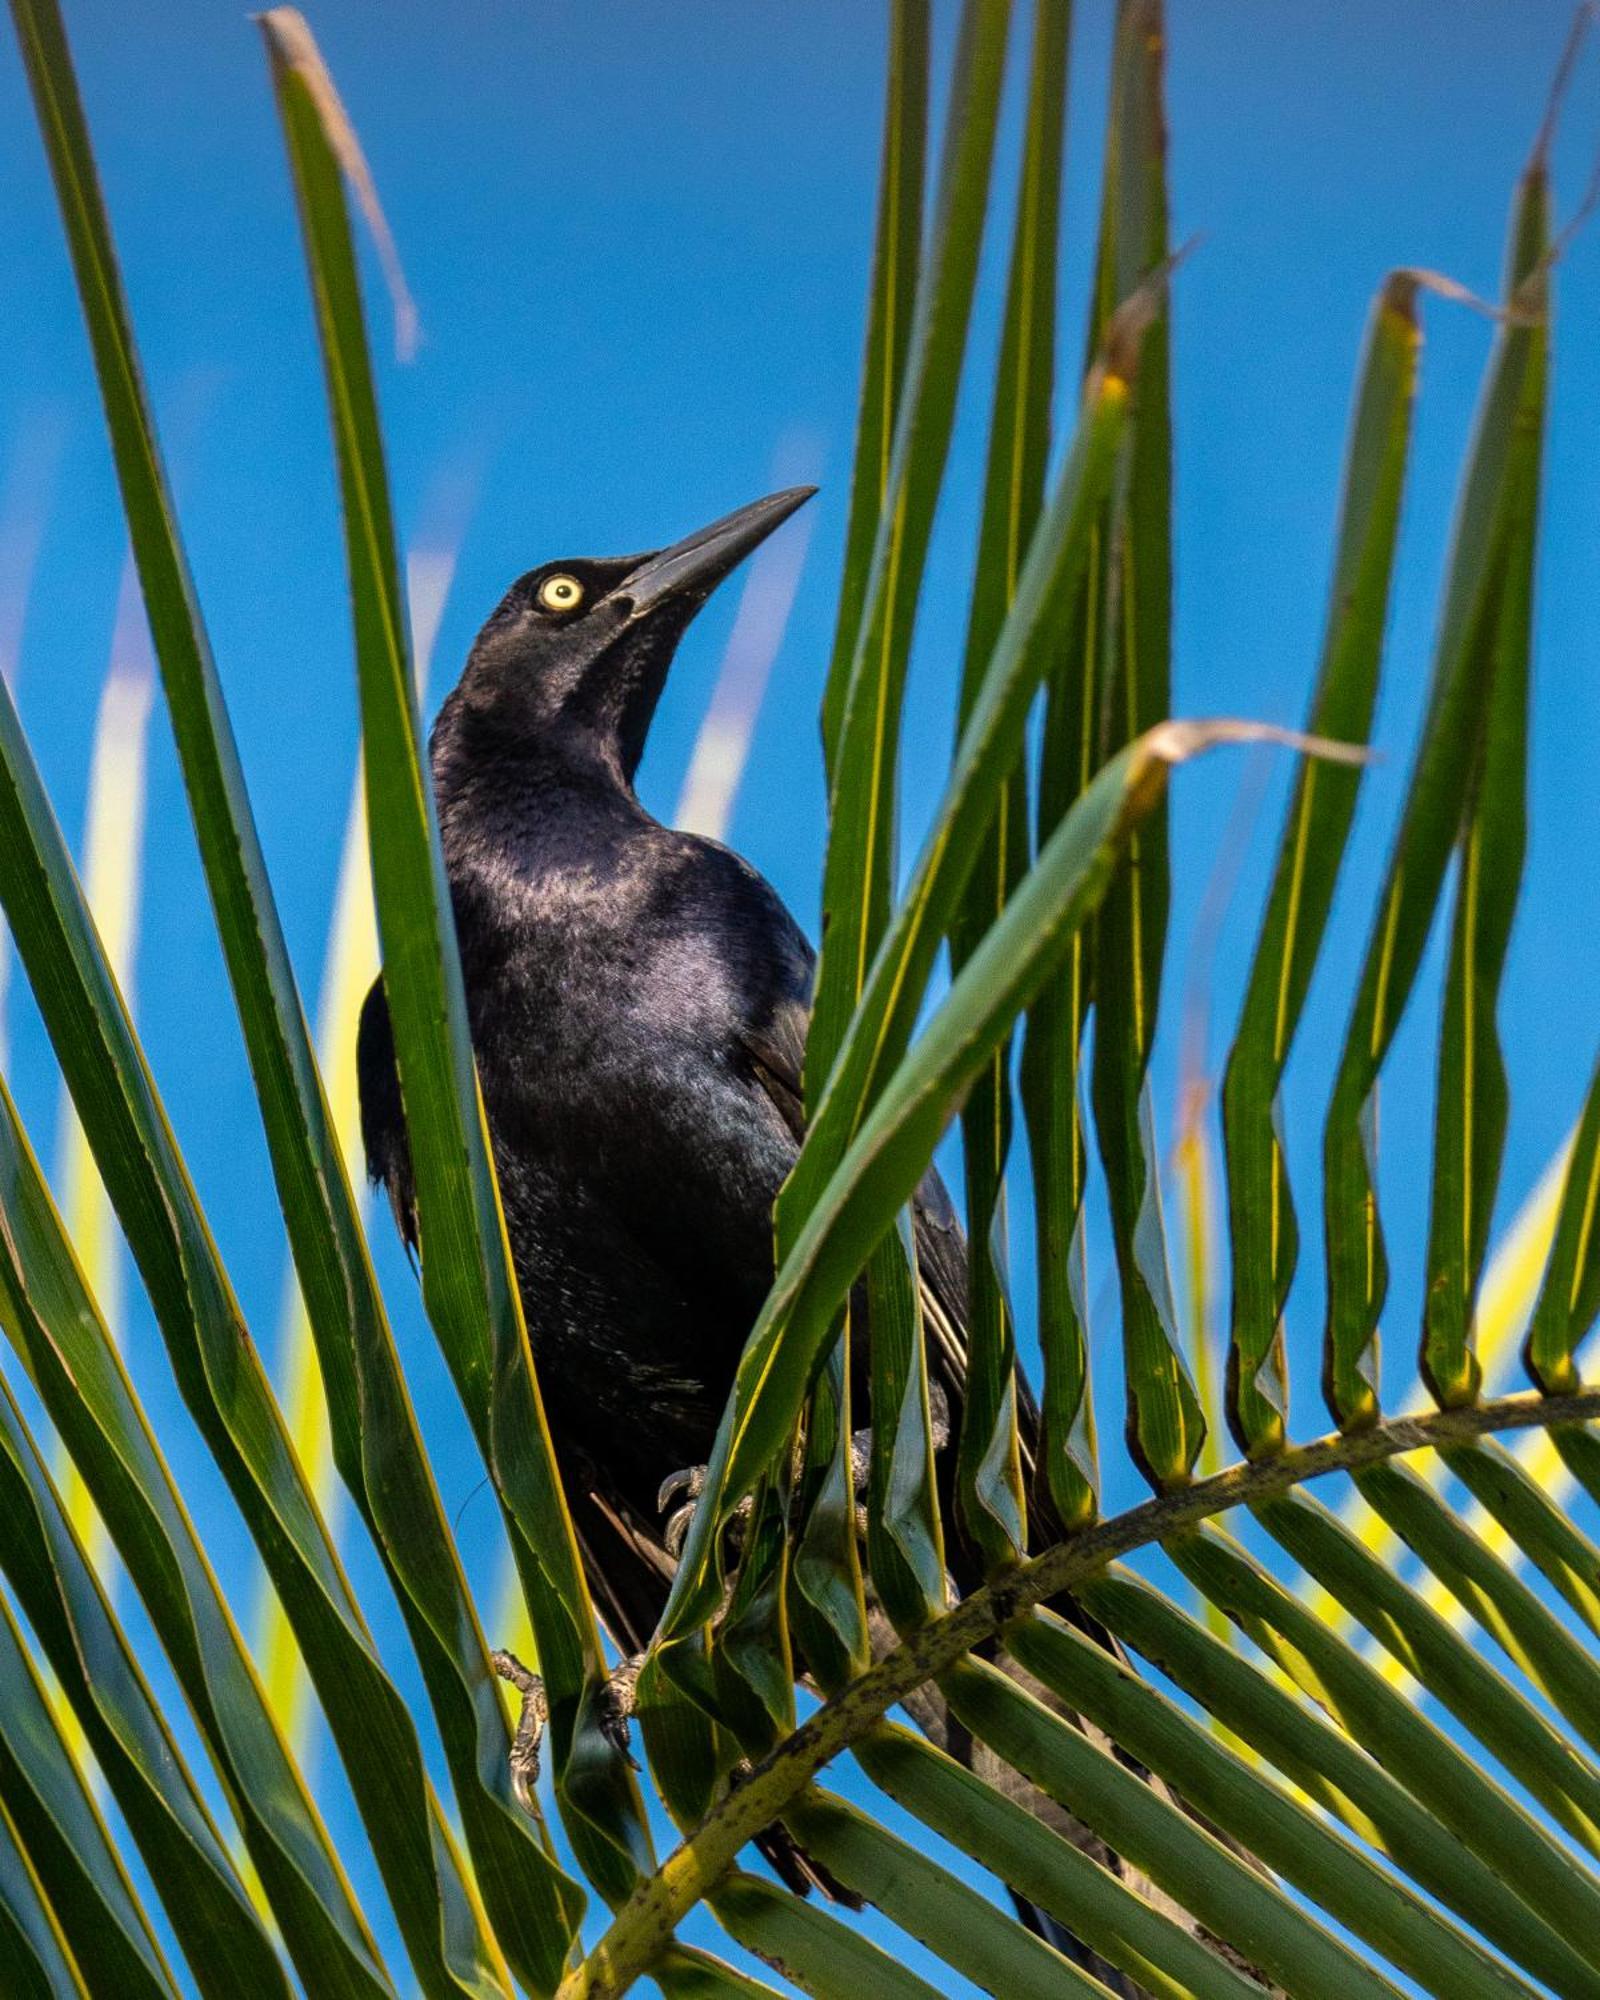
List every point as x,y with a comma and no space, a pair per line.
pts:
1535,287
1159,750
1538,158
1401,288
1176,741
1398,293
1125,330
293,47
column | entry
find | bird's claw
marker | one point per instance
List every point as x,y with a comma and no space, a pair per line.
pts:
691,1483
615,1705
530,1726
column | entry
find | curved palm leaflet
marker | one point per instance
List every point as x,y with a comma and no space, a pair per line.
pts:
1342,1740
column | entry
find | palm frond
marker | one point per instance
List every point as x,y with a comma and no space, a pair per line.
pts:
1243,1734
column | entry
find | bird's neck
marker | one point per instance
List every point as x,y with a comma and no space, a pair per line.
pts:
521,784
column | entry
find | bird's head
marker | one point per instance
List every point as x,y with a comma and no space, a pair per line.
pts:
576,653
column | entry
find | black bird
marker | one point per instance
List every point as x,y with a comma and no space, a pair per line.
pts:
638,1000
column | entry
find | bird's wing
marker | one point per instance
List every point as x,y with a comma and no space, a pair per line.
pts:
775,1051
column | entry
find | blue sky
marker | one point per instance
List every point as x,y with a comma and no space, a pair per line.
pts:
638,236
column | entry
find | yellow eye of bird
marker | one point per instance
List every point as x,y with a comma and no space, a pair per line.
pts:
561,593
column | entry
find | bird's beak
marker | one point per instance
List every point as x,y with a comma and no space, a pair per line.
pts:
696,565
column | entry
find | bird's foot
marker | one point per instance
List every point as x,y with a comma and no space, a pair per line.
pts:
618,1693
690,1483
530,1726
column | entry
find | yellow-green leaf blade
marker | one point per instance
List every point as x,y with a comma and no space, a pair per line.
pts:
990,1482
1264,1239
859,868
1458,700
468,1283
895,262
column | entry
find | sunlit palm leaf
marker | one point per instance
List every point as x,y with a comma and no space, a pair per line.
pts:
990,1470
1316,1755
113,859
1569,1298
861,703
350,964
970,1935
819,1953
895,265
44,1795
1264,1238
30,1931
1472,1103
1391,1919
212,1354
1495,491
1165,1423
220,1934
1052,1870
858,873
1510,1285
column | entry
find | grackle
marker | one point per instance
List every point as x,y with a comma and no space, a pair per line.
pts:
638,1001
